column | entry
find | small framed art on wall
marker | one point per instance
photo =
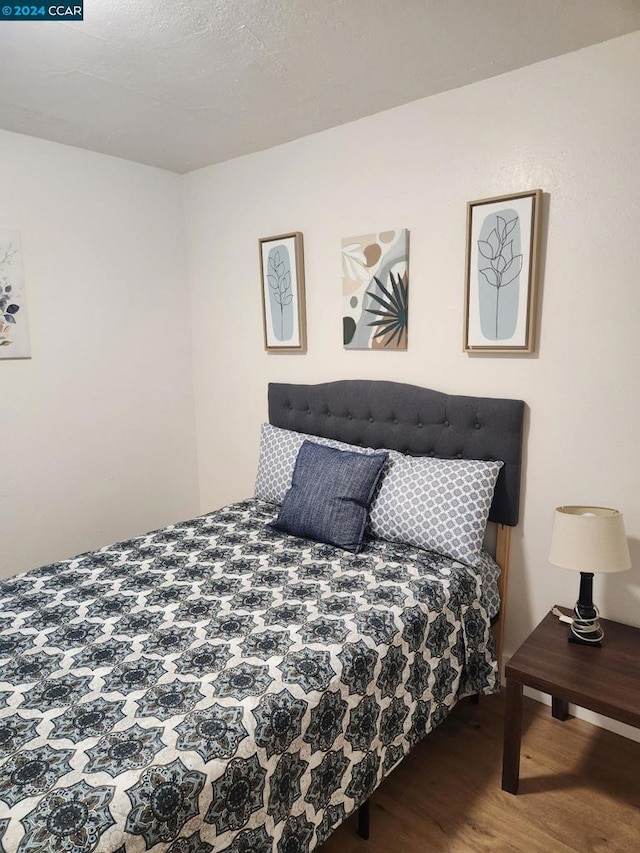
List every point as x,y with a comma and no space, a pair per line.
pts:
14,324
501,273
375,290
283,302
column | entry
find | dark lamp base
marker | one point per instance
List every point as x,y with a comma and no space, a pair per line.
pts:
585,629
591,638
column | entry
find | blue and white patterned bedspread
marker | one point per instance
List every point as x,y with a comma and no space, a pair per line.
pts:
219,686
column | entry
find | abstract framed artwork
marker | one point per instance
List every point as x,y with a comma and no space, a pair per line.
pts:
375,291
501,273
14,324
283,301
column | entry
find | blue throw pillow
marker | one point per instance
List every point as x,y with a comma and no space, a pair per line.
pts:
330,495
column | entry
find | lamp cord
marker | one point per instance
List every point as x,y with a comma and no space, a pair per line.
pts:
581,628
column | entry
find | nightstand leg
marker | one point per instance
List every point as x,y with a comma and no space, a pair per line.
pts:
512,737
363,820
559,708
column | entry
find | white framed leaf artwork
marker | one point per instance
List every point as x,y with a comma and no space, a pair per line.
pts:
14,323
283,298
501,273
375,290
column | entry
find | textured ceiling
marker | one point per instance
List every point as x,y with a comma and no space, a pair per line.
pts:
187,83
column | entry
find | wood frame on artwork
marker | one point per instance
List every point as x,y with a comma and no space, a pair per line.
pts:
283,297
501,273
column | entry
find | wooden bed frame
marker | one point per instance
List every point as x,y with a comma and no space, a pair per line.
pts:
503,544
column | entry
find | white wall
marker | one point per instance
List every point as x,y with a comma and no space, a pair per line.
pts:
571,126
97,428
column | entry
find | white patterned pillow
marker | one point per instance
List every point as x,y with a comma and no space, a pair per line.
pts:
438,504
278,453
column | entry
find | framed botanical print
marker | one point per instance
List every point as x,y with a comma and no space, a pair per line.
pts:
501,273
283,304
14,323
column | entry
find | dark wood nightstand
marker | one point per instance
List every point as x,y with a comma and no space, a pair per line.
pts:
605,680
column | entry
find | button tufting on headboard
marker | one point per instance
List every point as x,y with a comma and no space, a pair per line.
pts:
386,414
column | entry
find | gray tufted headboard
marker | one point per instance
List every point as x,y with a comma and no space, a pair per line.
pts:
413,420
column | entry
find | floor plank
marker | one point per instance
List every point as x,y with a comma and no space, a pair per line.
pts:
579,790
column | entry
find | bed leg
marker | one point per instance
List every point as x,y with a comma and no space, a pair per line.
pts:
363,820
475,698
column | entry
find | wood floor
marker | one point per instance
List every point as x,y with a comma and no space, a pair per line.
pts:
579,790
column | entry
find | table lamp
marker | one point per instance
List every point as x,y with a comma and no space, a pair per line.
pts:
588,539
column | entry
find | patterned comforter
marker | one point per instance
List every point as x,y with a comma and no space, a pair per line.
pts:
219,686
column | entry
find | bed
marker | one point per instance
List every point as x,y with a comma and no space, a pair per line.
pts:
220,685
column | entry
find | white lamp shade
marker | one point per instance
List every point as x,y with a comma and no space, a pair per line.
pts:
589,539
